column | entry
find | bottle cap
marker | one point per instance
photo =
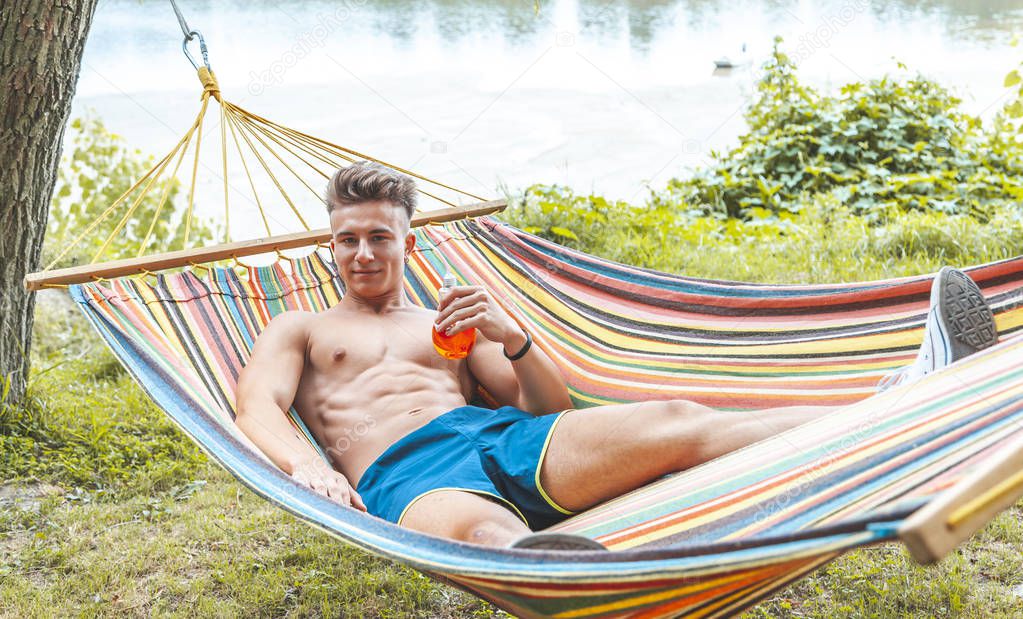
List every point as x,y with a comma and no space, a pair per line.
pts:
450,281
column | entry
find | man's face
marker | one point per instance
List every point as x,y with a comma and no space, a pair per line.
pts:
370,243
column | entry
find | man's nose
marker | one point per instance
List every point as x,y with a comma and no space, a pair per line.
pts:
364,254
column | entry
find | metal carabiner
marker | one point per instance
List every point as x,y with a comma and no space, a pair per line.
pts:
202,48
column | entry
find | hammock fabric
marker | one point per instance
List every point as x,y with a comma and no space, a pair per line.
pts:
709,541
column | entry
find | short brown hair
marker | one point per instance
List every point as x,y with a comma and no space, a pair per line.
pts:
366,181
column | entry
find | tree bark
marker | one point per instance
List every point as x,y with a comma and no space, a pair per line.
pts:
41,45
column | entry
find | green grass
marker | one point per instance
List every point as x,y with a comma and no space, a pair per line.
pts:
975,581
143,525
824,243
218,550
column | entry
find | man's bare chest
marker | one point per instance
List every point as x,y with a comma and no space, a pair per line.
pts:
353,347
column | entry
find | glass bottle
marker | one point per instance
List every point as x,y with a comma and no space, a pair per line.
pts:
457,345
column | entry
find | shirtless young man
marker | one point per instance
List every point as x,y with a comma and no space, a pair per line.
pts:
392,414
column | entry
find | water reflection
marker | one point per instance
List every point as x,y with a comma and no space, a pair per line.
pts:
644,20
602,95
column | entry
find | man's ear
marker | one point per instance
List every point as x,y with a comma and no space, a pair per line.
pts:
410,242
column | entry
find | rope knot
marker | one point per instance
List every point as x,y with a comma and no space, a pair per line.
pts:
210,86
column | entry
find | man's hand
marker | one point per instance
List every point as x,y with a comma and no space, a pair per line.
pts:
532,382
318,476
465,307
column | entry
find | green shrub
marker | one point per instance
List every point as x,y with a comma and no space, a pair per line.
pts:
101,436
882,147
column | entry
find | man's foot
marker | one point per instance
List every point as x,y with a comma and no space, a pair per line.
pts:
558,541
959,324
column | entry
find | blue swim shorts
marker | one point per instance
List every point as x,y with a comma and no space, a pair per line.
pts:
493,453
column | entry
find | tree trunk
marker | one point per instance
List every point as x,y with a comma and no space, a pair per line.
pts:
41,45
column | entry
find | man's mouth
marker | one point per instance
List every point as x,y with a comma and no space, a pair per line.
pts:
364,272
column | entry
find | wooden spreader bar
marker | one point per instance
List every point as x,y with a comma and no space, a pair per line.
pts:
939,527
225,251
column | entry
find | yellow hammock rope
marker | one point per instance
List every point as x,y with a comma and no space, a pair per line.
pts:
261,137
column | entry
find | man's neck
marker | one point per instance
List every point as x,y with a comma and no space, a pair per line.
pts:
384,304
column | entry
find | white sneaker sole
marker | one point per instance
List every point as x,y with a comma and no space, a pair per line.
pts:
964,317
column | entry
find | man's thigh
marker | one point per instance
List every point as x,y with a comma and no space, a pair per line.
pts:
599,453
462,515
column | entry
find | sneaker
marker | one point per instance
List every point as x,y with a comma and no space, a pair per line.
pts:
959,324
558,541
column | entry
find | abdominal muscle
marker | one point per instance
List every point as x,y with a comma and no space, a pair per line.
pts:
356,415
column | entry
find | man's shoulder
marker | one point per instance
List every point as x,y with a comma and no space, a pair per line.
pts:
285,333
292,319
289,325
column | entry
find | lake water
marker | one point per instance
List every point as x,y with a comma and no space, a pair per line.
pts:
603,96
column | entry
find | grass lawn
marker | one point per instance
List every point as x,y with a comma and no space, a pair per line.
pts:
208,548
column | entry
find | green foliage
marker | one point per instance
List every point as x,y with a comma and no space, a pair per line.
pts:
95,171
824,242
1014,79
881,147
85,423
220,551
614,229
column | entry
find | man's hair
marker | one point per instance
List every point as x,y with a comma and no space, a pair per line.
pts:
367,181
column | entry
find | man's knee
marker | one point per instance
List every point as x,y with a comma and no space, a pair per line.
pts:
678,407
681,411
689,421
492,532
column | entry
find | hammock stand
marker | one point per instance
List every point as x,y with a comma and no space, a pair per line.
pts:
928,465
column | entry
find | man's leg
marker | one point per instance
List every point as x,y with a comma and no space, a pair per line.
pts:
599,453
464,516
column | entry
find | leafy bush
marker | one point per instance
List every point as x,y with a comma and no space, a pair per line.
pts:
1014,108
85,424
887,178
95,171
881,147
613,229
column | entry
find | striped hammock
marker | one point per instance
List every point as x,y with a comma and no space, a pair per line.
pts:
708,541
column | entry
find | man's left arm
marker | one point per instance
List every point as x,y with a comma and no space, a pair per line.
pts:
531,382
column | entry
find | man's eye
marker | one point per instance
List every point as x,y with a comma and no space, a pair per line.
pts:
348,241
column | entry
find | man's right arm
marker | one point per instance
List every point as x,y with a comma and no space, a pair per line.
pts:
266,390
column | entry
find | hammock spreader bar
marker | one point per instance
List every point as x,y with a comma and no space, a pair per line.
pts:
937,529
205,255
